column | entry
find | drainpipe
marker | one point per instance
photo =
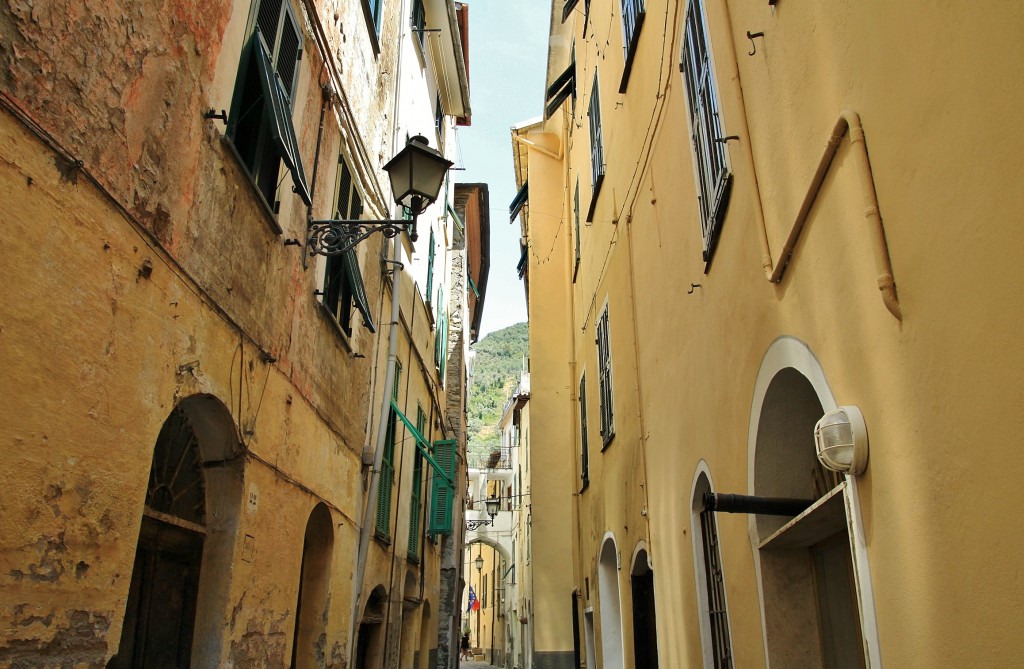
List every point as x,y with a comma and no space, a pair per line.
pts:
771,506
378,455
538,147
848,121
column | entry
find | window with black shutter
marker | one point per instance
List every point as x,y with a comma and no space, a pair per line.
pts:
260,125
604,370
596,147
711,162
584,445
343,282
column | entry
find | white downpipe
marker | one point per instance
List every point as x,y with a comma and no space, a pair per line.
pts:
378,454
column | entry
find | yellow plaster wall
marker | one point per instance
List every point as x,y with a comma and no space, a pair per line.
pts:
937,388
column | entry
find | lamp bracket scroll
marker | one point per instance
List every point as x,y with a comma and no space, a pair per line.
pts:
473,525
331,237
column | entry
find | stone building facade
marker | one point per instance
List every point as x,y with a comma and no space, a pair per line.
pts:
192,400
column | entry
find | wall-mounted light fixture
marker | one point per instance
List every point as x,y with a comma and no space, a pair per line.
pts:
416,173
493,505
479,562
841,439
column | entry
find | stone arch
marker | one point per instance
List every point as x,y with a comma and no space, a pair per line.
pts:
802,627
503,547
314,584
610,603
186,540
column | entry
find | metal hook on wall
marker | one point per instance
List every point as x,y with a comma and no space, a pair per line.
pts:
753,45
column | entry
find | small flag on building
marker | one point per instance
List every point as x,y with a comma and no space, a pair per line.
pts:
473,604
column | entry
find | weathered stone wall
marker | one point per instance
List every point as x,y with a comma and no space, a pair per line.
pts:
139,269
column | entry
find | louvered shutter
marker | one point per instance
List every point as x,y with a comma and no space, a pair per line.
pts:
441,493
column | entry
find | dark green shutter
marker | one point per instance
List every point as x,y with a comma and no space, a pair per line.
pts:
441,494
387,474
417,490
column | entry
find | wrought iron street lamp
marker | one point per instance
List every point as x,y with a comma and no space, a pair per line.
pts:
479,562
492,505
416,173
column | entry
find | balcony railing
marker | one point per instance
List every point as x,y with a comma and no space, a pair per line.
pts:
496,459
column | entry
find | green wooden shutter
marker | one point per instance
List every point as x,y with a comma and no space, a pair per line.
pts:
387,475
441,494
417,490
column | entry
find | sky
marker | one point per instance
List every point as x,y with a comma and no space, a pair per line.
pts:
507,57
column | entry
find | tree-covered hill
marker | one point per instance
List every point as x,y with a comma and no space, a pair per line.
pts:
499,359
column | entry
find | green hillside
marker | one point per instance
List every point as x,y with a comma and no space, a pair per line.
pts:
499,359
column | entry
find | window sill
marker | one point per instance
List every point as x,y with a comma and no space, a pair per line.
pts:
270,216
586,484
605,443
334,326
382,540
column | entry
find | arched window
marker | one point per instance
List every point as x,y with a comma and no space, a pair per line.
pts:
610,608
714,616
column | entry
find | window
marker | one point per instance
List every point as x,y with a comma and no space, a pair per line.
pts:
415,505
419,20
596,147
584,446
711,583
376,13
604,366
387,467
260,127
576,228
561,88
343,282
711,164
430,267
439,121
633,13
441,336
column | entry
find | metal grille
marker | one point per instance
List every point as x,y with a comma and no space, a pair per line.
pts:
176,484
713,176
721,646
268,19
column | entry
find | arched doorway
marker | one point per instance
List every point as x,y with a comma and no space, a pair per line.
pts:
370,643
427,632
645,632
314,581
814,586
181,576
610,608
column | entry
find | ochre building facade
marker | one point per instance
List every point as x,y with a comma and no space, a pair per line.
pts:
193,401
738,218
